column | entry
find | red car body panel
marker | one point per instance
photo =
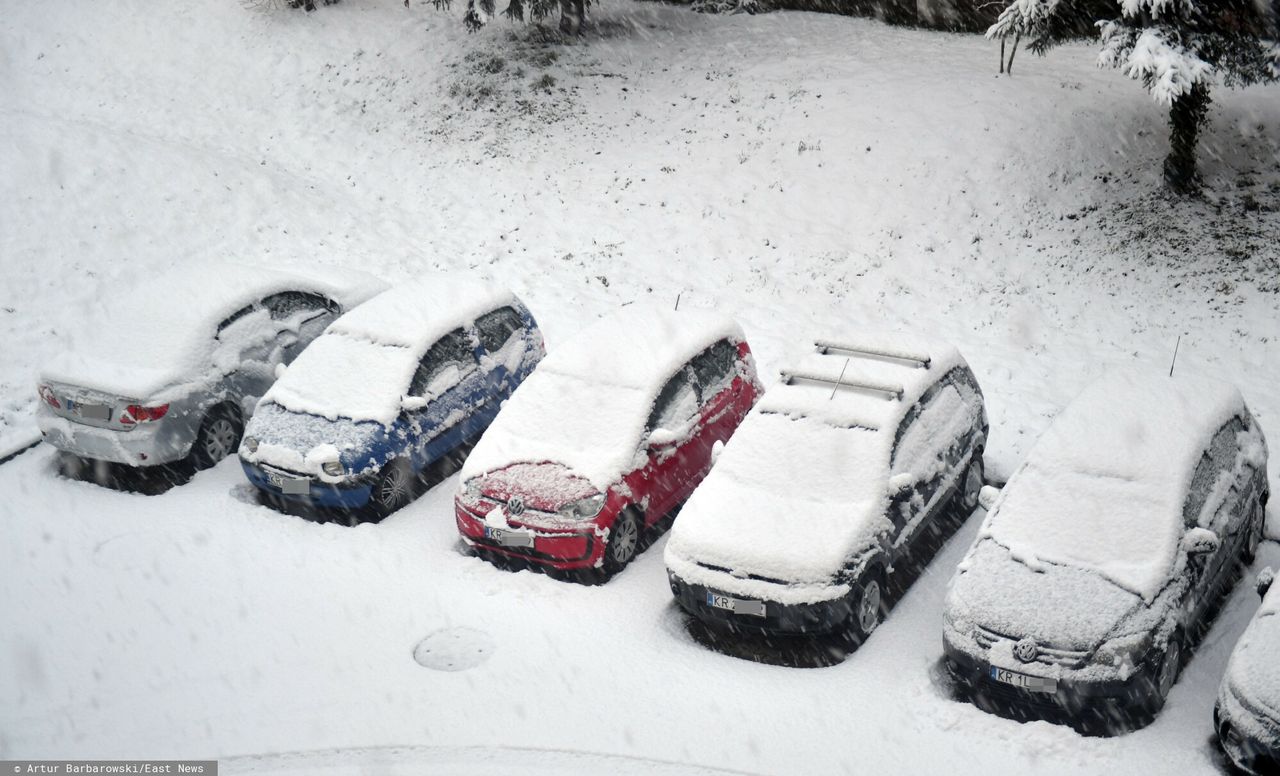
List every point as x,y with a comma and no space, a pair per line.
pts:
668,476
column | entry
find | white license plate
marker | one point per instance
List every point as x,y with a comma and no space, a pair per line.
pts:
735,605
90,411
509,538
1023,681
294,486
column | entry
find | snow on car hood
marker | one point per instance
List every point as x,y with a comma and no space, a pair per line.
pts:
788,499
339,376
163,331
1253,672
302,443
1104,486
1059,606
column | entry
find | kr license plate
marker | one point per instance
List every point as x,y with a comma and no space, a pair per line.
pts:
735,605
509,538
89,411
1023,681
294,486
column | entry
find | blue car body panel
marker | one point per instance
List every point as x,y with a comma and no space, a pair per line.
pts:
422,437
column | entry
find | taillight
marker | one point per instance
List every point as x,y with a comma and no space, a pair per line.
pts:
46,393
136,413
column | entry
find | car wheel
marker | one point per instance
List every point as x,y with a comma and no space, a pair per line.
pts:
393,489
1255,527
624,540
971,487
219,436
868,607
1167,674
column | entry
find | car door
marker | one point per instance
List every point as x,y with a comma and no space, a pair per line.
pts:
672,459
1215,502
451,389
928,449
496,331
300,317
721,394
243,353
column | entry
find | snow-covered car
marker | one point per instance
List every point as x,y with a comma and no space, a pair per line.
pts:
408,379
1247,713
1101,561
612,431
826,487
175,366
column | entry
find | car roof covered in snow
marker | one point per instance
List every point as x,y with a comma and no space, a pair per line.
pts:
361,367
162,331
1103,488
586,404
802,486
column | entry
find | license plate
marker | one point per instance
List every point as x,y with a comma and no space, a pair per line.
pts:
1032,683
90,411
735,605
509,538
294,486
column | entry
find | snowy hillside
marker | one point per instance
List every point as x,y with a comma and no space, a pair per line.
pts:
800,172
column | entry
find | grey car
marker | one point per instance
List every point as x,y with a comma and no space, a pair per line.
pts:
173,369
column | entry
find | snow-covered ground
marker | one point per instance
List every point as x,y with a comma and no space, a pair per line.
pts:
801,172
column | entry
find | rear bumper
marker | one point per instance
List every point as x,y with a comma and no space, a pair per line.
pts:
1248,752
149,444
1088,702
821,617
565,551
352,494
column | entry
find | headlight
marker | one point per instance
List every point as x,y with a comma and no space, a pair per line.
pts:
251,444
333,468
472,488
583,509
1126,649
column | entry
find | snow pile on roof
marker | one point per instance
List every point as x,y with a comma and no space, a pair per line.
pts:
163,332
586,404
361,367
416,313
802,486
1103,489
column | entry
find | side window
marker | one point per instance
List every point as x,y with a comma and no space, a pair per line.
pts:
1214,462
444,365
677,403
286,304
929,431
232,318
497,327
714,367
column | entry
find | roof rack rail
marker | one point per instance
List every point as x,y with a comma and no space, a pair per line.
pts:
898,354
889,389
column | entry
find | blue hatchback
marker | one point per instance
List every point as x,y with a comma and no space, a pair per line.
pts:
399,387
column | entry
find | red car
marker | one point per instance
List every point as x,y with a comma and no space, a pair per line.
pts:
610,432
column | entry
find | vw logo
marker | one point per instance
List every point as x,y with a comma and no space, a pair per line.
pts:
1026,650
515,506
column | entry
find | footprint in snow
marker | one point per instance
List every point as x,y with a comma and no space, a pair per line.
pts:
454,649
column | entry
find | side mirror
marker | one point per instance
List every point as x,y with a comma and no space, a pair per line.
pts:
280,367
1263,583
1200,541
412,403
987,496
901,483
716,448
662,437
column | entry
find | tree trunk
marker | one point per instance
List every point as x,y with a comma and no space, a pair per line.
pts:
1186,117
572,15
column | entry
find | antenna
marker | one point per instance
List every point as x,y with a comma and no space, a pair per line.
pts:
678,300
1175,355
838,379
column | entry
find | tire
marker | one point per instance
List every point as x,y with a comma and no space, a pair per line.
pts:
218,437
393,489
867,603
1167,672
624,542
1255,528
970,487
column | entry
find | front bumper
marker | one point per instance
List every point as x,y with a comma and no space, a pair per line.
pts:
148,444
352,493
1249,752
562,550
1105,704
821,617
